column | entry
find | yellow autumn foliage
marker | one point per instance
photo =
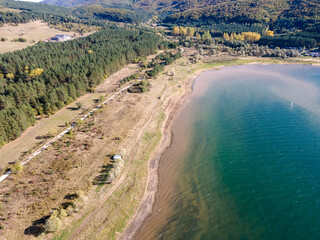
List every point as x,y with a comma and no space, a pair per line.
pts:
269,33
226,37
175,30
236,37
10,76
251,36
36,72
190,31
182,31
245,36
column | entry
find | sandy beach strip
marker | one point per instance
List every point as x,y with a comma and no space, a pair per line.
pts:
173,108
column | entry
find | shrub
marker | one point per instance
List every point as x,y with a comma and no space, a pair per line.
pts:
111,176
63,213
77,205
20,40
17,167
53,224
79,105
53,132
122,152
101,98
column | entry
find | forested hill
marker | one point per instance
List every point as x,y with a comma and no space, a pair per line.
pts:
264,9
72,3
206,12
247,11
93,14
21,12
44,78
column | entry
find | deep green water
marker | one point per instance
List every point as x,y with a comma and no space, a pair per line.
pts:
250,165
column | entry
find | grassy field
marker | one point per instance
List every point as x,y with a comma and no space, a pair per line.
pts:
32,32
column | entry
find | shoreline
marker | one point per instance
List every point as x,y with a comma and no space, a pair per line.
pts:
147,203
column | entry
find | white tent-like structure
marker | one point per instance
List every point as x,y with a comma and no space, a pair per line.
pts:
117,157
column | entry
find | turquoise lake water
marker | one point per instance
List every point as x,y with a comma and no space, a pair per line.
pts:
245,158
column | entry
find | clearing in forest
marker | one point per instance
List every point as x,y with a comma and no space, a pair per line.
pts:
32,32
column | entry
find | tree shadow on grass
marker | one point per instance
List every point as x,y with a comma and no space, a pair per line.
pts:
37,227
71,196
25,153
104,173
45,137
73,108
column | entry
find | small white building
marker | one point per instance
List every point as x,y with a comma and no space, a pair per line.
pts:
117,157
61,38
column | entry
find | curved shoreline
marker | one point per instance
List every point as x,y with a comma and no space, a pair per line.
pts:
173,109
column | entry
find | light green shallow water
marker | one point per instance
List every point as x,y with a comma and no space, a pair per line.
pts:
245,158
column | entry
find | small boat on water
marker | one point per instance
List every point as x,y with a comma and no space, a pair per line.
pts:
291,105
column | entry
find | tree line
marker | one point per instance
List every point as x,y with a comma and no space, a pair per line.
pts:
160,61
310,38
44,78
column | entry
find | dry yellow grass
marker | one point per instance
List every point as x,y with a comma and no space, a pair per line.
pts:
32,32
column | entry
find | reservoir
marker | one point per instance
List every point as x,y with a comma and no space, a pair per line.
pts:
244,162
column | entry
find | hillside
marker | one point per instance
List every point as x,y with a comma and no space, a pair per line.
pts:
101,13
245,11
72,3
204,12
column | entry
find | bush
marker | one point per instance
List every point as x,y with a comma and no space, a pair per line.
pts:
122,152
63,213
17,167
53,132
77,205
53,224
20,40
79,105
140,87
